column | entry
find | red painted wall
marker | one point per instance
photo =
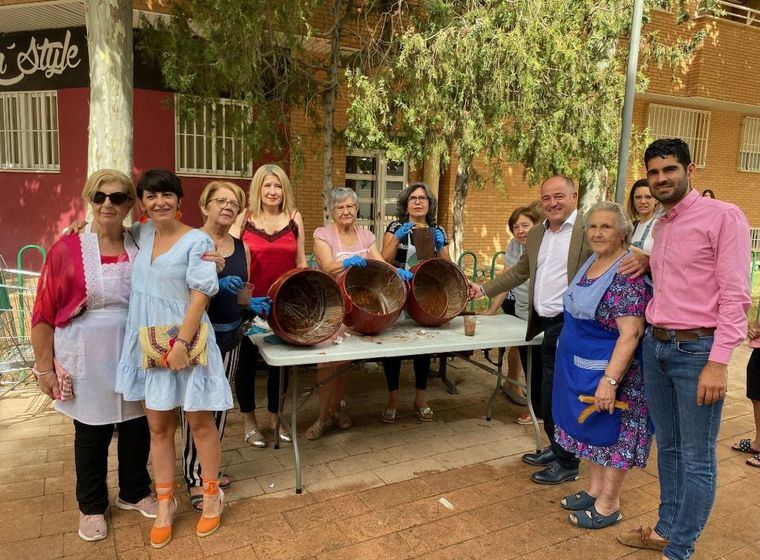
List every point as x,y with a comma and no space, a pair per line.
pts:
34,207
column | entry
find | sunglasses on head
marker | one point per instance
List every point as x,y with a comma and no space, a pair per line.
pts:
116,198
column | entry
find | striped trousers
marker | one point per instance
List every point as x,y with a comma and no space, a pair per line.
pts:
191,465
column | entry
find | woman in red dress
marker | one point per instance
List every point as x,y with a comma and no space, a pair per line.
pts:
273,233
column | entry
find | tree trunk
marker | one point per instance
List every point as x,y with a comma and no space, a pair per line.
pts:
593,188
330,94
109,42
460,197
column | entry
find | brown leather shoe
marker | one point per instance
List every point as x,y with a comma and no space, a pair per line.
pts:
640,538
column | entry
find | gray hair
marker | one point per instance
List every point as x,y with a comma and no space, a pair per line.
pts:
622,223
337,194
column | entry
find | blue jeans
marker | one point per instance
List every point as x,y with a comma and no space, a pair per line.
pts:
686,436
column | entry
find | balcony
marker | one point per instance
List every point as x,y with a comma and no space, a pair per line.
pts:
744,12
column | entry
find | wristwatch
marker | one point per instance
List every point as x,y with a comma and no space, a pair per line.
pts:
611,380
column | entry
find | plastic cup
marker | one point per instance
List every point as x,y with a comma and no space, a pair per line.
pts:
244,294
470,321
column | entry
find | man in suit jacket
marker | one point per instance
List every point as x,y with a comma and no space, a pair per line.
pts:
556,248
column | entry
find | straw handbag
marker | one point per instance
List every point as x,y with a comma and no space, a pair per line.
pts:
156,342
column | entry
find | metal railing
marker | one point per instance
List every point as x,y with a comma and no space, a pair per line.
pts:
732,11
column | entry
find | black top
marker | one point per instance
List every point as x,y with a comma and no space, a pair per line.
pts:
224,308
403,259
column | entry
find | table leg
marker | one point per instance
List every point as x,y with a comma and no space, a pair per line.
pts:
496,390
451,389
280,408
294,430
533,419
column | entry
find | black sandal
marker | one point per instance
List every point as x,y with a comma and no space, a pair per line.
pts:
592,519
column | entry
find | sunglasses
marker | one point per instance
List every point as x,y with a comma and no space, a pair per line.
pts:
116,198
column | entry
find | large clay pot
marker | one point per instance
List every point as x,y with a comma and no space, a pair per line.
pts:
307,307
438,292
374,296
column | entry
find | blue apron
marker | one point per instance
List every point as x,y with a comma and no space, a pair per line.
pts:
584,349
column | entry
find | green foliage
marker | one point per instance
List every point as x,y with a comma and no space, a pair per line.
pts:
540,82
241,49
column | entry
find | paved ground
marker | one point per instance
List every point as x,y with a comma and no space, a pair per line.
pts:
370,492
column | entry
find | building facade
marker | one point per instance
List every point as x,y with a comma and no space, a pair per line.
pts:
713,103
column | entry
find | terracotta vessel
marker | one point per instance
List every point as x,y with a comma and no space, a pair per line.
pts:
374,296
307,307
438,292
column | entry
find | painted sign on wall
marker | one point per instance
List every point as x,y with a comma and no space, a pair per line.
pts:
42,60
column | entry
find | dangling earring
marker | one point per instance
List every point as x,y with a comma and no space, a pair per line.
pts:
178,215
143,219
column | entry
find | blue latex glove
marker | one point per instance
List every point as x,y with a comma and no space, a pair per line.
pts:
405,274
355,260
260,306
404,230
230,284
438,239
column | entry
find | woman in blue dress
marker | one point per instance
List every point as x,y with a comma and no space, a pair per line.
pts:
171,287
599,356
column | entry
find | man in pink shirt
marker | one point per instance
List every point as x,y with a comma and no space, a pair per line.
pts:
700,272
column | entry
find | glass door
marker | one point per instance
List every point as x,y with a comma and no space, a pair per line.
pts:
377,182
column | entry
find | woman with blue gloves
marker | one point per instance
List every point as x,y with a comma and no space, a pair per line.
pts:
416,207
338,247
221,202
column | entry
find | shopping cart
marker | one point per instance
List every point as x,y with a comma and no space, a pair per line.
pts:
17,291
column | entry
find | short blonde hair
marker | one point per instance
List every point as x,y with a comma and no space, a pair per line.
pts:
214,186
103,176
288,204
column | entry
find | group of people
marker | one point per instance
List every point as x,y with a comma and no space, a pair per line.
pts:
639,321
131,324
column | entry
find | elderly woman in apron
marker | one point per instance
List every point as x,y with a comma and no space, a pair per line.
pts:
598,402
338,247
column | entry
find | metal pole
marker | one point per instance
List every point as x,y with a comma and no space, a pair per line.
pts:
630,86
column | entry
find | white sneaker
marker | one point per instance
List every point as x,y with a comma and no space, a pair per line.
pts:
92,527
148,506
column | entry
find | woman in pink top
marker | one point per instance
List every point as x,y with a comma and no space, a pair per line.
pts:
337,247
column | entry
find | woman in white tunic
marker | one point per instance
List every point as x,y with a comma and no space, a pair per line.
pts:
77,331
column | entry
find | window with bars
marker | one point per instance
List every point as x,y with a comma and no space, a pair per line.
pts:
29,131
209,139
690,125
749,153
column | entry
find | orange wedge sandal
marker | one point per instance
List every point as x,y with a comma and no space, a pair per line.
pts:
161,536
207,525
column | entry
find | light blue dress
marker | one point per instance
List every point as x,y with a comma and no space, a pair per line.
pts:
160,296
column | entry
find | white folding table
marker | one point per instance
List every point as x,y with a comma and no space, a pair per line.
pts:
404,338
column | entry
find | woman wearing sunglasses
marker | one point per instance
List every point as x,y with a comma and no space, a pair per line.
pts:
77,331
170,359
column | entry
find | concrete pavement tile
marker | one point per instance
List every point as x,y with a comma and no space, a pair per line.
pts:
10,491
266,506
350,484
303,544
460,477
274,482
377,523
359,445
128,537
36,471
72,544
365,462
442,533
466,456
321,513
510,512
39,504
23,459
60,522
387,547
409,469
243,553
423,448
396,493
254,468
243,488
228,539
315,456
20,527
41,548
462,500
